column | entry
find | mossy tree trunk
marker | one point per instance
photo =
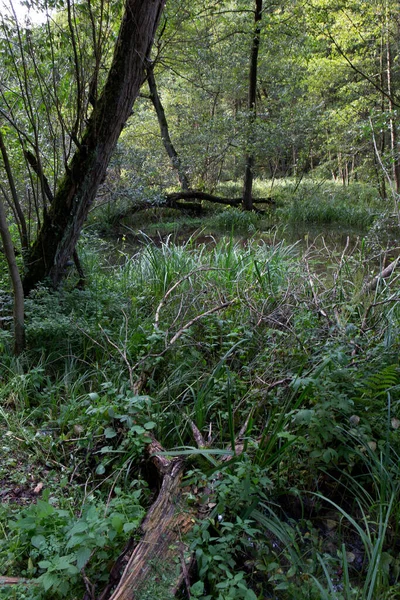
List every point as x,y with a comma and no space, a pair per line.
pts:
19,331
62,224
249,158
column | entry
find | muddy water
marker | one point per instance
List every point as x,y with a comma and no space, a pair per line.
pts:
326,242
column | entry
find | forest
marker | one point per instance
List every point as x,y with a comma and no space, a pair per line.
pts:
199,305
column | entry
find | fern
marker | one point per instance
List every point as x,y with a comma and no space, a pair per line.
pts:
381,382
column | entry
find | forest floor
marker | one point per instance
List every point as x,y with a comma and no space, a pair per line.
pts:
252,383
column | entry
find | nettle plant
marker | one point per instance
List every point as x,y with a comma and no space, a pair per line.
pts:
55,546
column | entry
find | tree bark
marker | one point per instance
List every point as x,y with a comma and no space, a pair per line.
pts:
249,159
18,213
193,194
164,129
62,224
392,121
167,522
19,330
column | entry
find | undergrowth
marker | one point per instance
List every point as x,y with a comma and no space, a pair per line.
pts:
293,375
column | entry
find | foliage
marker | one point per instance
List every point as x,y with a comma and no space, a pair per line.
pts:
281,357
54,546
226,334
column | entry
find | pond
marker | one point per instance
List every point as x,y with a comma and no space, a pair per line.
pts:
322,243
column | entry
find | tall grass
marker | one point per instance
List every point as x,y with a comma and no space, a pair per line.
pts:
289,372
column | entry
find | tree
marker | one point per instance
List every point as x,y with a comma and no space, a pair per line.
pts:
19,332
164,129
249,161
63,221
93,135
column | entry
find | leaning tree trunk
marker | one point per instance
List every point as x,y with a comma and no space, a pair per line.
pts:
62,224
164,129
249,159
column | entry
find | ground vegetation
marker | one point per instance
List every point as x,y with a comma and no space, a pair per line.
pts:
196,400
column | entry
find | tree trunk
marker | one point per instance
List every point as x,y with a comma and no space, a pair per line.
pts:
18,213
164,129
249,167
392,122
62,224
19,331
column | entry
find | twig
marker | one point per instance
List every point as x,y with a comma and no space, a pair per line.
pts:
123,352
200,441
185,570
393,191
17,581
314,294
171,289
195,319
371,306
274,384
384,274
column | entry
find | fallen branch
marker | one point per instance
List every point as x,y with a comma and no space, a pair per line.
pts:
384,274
176,284
374,305
4,581
194,195
195,319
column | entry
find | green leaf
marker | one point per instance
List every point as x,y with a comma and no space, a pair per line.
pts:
44,509
63,563
82,557
79,527
44,564
282,586
128,527
38,540
197,589
109,432
291,572
117,523
48,580
138,429
303,416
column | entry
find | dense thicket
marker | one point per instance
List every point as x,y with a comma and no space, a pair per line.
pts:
322,100
217,418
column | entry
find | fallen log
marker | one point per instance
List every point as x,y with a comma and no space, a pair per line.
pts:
172,201
173,197
384,274
162,555
167,522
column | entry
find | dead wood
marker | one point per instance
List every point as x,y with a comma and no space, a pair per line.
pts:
162,549
4,581
195,195
172,201
166,523
384,274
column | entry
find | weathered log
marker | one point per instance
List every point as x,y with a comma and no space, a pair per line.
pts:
173,197
166,523
384,274
162,550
